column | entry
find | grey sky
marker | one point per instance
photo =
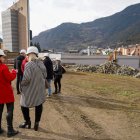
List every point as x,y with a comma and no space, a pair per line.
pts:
46,14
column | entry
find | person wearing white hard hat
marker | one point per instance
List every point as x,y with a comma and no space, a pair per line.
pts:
23,52
6,95
33,88
17,65
46,55
49,68
57,75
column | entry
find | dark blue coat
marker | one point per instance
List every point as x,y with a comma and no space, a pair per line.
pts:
49,67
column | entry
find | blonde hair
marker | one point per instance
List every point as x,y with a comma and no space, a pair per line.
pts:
31,57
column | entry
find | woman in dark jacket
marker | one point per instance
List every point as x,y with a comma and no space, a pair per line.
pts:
57,76
49,67
17,65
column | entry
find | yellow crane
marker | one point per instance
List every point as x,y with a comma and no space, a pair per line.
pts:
113,56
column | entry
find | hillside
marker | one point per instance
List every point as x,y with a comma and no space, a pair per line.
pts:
120,28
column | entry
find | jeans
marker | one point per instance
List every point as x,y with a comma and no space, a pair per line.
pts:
49,89
38,113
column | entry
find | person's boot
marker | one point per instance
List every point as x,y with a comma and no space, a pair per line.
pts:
18,92
36,125
1,130
59,91
26,124
55,92
11,132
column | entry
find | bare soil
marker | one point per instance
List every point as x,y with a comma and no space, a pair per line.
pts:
84,112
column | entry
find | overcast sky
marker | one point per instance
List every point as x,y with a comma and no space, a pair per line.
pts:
46,14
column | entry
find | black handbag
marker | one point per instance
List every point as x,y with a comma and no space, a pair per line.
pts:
46,84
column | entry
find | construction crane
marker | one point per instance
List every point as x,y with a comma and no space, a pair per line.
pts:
113,56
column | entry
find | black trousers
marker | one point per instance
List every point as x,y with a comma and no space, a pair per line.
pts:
9,116
38,113
57,81
19,79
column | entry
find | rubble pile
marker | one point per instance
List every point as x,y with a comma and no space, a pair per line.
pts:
85,68
127,71
108,68
137,76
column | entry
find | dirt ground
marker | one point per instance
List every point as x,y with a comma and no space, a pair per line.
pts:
80,114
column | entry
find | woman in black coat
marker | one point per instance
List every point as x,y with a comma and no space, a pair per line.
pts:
49,67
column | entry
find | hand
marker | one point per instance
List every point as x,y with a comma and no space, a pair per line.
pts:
14,71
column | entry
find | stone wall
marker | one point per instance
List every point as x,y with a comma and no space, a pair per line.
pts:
133,61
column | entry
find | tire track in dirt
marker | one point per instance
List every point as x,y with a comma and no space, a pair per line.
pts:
110,107
71,121
100,101
78,120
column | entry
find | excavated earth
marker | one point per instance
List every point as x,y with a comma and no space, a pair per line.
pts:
80,114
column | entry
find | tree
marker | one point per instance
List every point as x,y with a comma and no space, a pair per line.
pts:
31,43
38,46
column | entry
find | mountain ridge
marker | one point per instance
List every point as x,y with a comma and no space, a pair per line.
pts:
120,28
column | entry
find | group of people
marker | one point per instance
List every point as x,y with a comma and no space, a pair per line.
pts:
31,73
53,72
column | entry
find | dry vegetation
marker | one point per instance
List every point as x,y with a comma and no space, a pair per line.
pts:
91,107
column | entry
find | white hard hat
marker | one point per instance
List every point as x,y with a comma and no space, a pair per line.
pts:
23,51
32,49
58,59
2,53
46,54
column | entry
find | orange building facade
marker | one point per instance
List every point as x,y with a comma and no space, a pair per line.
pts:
132,50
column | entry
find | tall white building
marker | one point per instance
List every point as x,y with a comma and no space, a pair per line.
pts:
10,30
16,26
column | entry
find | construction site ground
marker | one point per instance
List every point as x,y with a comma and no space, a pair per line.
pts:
90,107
